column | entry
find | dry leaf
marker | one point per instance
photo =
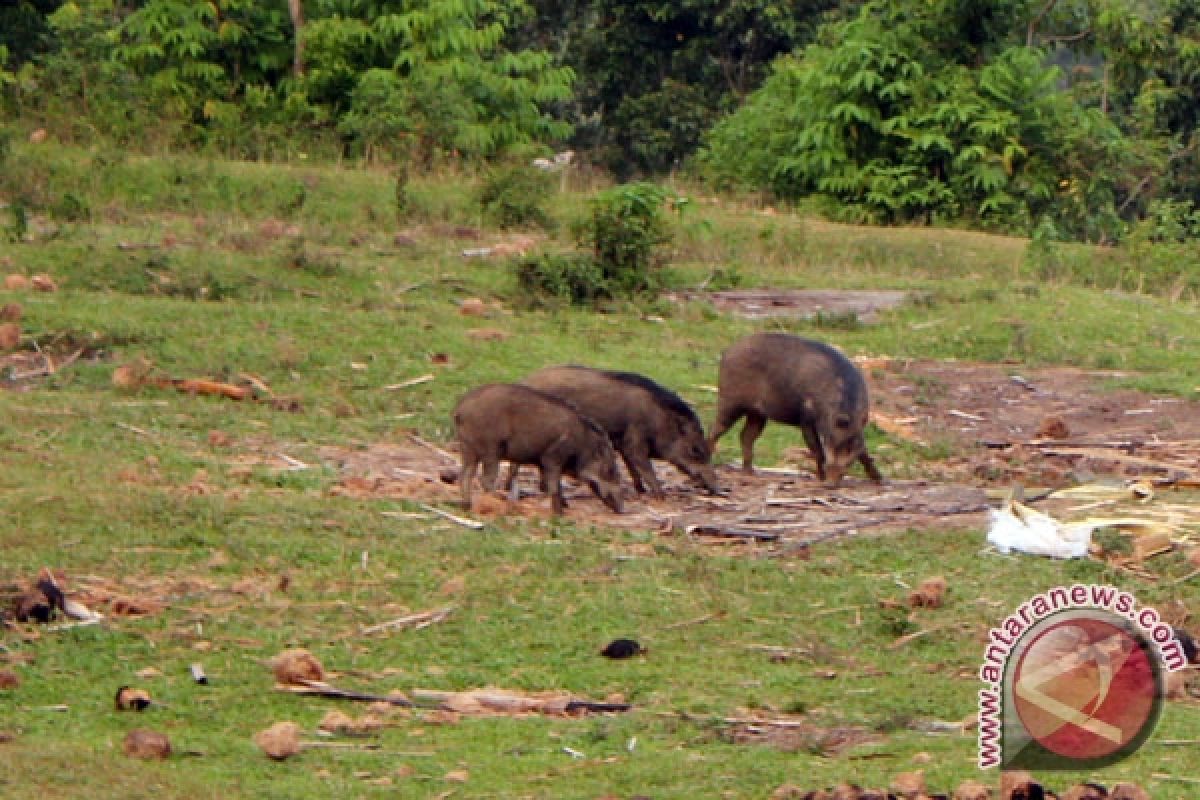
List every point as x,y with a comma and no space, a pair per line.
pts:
43,283
10,335
472,307
141,743
488,334
280,741
294,667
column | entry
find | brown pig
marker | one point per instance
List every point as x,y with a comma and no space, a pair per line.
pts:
801,382
505,422
643,419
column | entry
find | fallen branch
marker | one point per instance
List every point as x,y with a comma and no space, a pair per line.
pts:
1105,455
474,525
735,533
322,689
421,619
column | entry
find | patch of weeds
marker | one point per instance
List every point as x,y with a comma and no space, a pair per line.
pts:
836,321
1112,542
18,227
70,208
893,721
515,196
298,257
895,622
573,277
723,279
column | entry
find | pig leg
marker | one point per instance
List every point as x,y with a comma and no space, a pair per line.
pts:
631,467
814,444
552,481
467,475
726,419
637,459
750,433
491,468
869,465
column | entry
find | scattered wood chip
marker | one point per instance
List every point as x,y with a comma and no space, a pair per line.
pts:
142,743
280,741
297,667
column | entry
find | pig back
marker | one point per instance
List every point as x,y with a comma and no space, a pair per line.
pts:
520,423
789,379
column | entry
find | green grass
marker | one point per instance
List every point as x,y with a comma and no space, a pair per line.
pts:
95,481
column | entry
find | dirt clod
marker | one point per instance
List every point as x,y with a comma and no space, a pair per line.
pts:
16,282
43,283
908,785
8,679
930,593
11,312
142,743
280,741
1053,427
1128,791
472,307
295,667
622,648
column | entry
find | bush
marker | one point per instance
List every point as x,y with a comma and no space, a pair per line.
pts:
627,234
574,277
515,195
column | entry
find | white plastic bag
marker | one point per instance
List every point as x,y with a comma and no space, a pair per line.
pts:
1021,528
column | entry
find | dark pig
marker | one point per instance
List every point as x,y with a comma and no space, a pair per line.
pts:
505,422
643,419
801,382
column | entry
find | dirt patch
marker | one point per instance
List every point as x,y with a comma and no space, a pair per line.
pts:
864,305
990,421
1050,427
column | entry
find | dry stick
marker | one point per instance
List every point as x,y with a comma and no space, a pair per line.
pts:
421,619
306,745
429,445
322,689
1162,776
426,378
474,525
1185,578
685,623
134,429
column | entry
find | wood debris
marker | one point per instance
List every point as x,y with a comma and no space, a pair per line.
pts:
418,620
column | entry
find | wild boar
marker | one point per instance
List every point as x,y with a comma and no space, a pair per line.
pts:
801,382
643,419
504,422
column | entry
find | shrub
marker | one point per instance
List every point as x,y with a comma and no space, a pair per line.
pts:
574,277
515,195
627,233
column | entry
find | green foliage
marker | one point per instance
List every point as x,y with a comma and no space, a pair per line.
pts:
572,277
627,233
515,195
894,131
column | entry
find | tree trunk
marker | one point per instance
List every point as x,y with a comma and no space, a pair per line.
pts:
297,12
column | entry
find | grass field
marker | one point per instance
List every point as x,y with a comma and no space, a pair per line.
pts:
295,275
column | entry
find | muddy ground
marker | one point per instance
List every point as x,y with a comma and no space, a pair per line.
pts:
981,428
